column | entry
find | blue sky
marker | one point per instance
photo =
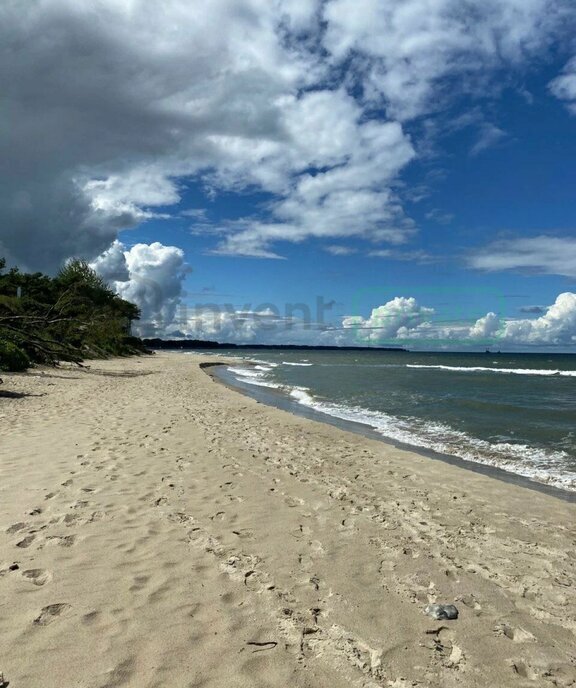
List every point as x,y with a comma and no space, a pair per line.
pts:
409,163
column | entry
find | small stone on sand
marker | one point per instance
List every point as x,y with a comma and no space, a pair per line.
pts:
441,611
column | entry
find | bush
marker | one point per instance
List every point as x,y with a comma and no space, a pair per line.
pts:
12,358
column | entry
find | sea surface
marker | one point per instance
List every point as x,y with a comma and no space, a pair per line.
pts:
516,412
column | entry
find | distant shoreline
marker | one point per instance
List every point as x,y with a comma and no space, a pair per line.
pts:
198,345
202,346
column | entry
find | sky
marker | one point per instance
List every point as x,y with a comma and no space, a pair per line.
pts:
336,172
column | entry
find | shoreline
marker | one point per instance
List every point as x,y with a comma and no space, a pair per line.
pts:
157,528
283,402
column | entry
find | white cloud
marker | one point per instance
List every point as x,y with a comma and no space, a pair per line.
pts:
564,86
333,177
149,275
541,254
397,318
337,250
412,47
484,327
489,137
418,256
557,327
107,104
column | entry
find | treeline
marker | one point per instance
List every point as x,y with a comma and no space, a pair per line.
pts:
69,317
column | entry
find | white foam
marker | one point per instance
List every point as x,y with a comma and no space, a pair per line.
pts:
266,363
262,383
508,371
290,363
245,372
302,396
255,375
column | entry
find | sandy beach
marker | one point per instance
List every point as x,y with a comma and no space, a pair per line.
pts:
159,529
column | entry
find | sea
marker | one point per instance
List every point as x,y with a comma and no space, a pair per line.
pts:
512,412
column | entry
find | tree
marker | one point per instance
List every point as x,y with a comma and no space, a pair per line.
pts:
70,317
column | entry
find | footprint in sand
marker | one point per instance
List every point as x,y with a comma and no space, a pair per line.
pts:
293,501
71,519
26,542
305,562
140,583
62,540
517,634
51,613
471,602
16,527
37,576
91,617
523,669
445,649
244,533
81,504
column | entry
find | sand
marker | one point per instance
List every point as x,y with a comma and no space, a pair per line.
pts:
159,529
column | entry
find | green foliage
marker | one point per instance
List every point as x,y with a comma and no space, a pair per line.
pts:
72,316
12,357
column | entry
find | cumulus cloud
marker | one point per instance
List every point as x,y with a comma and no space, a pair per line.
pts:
226,324
557,327
108,104
149,275
396,318
484,327
541,254
111,265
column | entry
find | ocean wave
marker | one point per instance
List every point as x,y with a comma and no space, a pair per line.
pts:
245,372
290,363
269,364
536,464
253,376
508,371
263,383
301,394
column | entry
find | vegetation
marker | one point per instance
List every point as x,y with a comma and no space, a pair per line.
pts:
70,317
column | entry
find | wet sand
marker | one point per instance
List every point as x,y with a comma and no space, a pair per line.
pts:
160,529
